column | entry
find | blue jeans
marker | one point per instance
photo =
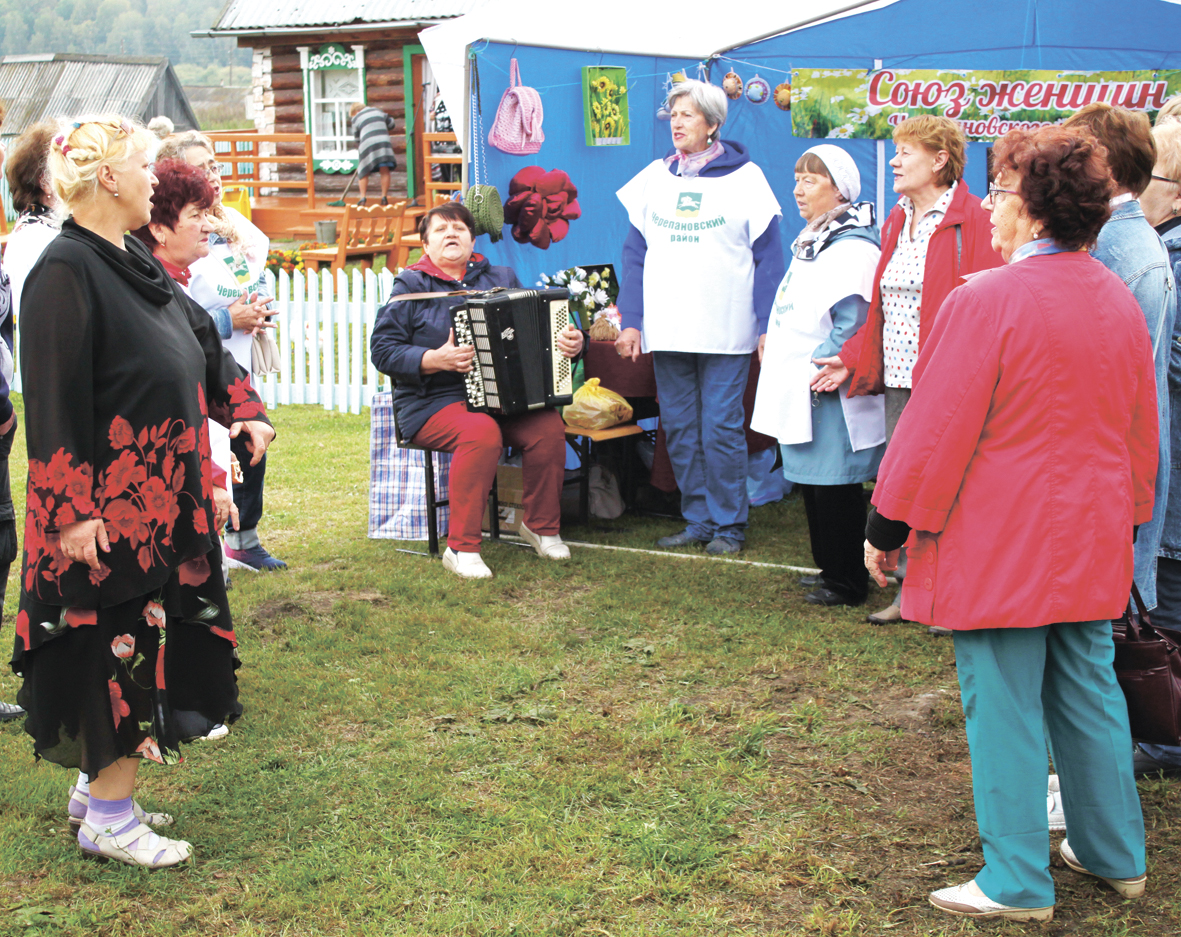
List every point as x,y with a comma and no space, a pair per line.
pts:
1018,686
247,496
702,415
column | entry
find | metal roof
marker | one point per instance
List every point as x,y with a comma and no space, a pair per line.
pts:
243,15
38,87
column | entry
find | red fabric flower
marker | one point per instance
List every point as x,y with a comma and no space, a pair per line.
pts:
201,400
154,614
120,434
150,750
159,502
227,635
125,472
248,410
22,627
541,206
98,575
119,707
76,617
60,471
123,647
124,519
241,391
187,440
194,572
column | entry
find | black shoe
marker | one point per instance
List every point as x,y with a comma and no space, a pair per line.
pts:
384,200
361,202
823,595
1144,764
809,581
683,539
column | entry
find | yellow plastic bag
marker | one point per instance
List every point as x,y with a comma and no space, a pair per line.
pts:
596,407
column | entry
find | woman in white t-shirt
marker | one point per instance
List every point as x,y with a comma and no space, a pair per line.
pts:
230,284
700,266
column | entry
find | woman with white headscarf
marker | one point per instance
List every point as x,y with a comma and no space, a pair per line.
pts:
831,443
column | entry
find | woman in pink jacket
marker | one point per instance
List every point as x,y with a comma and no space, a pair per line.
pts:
1029,450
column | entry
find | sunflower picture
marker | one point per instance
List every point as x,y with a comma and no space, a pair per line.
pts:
604,96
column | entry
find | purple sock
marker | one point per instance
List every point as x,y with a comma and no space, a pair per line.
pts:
107,816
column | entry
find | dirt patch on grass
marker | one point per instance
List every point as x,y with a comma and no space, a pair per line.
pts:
309,605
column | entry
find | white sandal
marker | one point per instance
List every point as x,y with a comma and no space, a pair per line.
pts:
166,852
151,819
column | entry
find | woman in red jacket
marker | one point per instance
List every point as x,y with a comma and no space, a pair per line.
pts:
934,236
1029,449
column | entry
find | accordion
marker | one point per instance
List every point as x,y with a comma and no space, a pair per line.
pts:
518,366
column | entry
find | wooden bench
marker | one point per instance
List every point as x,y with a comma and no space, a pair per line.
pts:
364,234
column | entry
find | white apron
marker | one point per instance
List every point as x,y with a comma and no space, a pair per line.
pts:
219,278
699,268
800,321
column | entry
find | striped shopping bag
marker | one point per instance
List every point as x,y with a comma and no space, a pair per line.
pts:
397,480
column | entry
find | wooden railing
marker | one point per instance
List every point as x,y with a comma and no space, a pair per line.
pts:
243,150
430,188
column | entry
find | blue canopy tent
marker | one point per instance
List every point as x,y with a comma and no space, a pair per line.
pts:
1009,34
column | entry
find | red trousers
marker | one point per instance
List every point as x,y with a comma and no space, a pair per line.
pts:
475,441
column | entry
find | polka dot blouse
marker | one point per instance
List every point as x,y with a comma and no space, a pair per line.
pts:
902,290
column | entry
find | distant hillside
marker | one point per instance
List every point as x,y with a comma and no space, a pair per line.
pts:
113,27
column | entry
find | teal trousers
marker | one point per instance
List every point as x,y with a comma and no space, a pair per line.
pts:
1020,685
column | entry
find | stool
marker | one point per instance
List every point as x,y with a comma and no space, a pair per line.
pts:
581,439
433,503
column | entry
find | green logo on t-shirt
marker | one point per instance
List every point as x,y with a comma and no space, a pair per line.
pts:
239,269
688,204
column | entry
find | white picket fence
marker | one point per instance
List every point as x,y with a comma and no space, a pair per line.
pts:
324,323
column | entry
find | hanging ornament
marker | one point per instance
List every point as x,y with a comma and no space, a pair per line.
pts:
783,96
732,85
757,90
678,77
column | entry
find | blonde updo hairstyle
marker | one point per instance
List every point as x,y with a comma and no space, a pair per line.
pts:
80,149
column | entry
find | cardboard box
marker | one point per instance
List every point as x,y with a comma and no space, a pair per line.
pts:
510,496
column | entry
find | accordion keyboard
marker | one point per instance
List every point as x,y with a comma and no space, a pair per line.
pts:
559,318
473,382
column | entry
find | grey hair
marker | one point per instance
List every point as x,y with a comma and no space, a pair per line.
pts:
709,101
161,126
176,145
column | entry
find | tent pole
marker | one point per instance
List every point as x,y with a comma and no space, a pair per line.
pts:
465,143
881,148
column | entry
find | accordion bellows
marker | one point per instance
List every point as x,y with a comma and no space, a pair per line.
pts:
518,366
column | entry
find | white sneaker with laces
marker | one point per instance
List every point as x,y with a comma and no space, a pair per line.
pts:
1054,805
466,565
548,548
969,901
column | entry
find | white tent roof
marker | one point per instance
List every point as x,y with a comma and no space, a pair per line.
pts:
648,27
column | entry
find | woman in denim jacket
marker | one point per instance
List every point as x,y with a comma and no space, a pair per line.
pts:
1161,202
1129,247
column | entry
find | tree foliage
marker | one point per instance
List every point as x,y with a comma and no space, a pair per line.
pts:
118,27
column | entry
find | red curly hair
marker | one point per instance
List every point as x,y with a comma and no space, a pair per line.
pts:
1065,182
180,184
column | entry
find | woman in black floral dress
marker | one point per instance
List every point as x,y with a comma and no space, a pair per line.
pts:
124,636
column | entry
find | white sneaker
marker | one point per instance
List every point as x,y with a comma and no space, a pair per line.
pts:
548,548
1054,805
467,565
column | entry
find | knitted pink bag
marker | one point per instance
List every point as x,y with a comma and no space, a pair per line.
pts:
517,128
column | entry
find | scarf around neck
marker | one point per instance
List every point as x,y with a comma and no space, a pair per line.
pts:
692,163
821,230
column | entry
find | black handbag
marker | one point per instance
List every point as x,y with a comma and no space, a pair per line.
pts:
1148,668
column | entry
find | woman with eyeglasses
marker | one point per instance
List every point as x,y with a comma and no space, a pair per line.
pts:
933,237
1129,247
1029,450
124,636
1161,203
229,282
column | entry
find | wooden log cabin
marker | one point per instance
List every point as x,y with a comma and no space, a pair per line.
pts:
312,59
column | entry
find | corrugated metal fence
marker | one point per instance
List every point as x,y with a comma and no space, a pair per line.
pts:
324,322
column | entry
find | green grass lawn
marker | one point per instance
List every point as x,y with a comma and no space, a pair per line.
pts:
624,744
